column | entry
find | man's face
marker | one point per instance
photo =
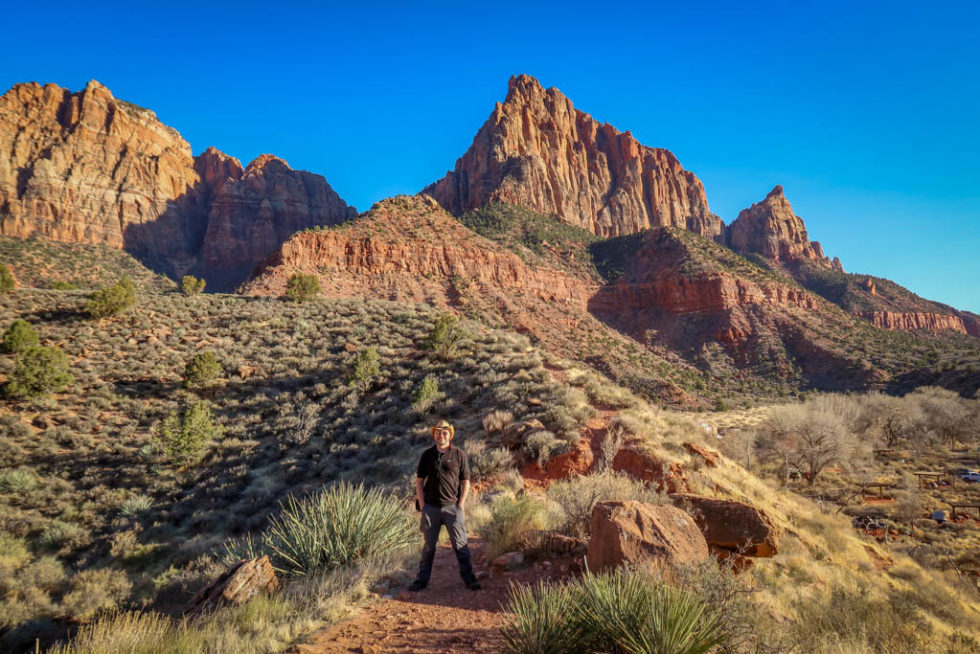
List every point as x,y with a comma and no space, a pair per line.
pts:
441,437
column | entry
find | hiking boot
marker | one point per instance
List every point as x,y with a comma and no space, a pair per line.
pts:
474,585
417,586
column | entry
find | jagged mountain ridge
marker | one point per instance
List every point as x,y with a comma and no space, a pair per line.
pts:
537,151
86,167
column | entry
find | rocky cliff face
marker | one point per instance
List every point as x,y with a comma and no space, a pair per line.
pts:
252,213
88,168
85,167
770,228
538,151
918,321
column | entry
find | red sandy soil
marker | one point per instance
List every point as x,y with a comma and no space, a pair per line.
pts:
445,617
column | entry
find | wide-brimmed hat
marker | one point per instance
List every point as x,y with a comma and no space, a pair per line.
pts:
443,424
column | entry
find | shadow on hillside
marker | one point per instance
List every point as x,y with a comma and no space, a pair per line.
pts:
144,388
236,493
61,316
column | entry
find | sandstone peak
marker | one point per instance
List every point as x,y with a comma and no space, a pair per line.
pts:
86,167
772,229
265,162
537,151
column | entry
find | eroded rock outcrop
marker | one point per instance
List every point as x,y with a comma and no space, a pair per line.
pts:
538,151
770,228
89,168
237,585
916,321
734,526
625,532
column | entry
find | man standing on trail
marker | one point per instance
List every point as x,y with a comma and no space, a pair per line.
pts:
441,487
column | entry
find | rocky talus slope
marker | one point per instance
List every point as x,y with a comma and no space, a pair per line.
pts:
538,151
88,168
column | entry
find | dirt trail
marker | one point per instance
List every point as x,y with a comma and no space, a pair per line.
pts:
445,617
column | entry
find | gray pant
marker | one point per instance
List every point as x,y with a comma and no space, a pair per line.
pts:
433,517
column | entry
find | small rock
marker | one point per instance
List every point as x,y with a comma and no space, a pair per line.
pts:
508,561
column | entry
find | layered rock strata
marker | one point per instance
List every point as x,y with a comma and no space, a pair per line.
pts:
88,168
393,262
916,321
537,151
770,228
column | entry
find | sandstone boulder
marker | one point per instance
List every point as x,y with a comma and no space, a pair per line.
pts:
240,583
731,525
630,532
710,457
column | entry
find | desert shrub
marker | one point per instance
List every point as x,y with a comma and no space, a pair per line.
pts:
846,620
636,614
444,336
617,612
112,300
39,371
135,505
510,521
62,285
425,394
19,336
7,281
335,527
190,285
95,590
577,496
185,436
540,445
486,462
19,481
202,370
540,620
302,287
367,366
497,420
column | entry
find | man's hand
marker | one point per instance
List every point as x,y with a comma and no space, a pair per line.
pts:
418,493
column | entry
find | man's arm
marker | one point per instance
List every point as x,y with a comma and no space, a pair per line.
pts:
418,493
464,492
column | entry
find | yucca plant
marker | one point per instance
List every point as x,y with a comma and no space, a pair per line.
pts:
338,526
540,620
635,614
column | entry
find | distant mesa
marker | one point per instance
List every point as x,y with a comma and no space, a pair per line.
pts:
86,167
537,151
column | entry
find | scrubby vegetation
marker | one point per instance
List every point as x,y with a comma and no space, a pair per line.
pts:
302,288
287,422
191,285
19,336
7,281
112,300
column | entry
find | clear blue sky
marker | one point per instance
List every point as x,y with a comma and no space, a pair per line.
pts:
867,113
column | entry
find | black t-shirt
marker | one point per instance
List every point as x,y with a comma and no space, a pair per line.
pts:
443,474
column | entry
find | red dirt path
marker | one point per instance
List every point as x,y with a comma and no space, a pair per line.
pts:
445,617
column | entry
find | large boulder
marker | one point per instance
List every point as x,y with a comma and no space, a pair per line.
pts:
731,525
630,532
237,585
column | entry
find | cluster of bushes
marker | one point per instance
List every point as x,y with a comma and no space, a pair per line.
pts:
38,370
830,430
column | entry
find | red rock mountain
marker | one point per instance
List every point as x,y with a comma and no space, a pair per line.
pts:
537,151
86,167
770,228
